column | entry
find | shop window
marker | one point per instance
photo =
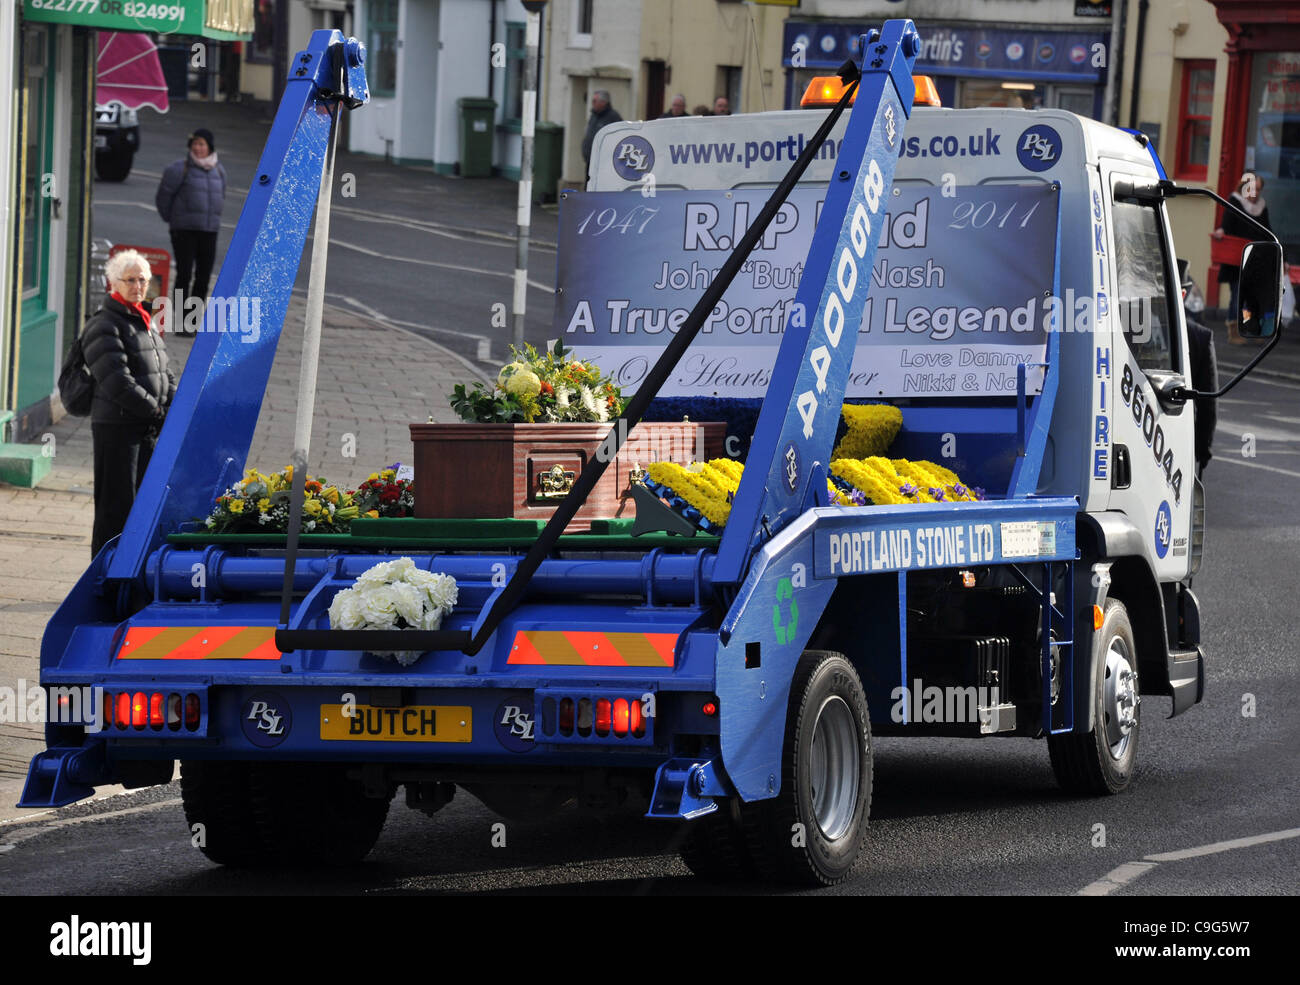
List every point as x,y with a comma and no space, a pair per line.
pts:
381,47
1194,108
516,55
1273,141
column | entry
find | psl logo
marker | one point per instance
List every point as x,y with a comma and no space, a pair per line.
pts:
514,724
1039,148
633,158
266,717
266,720
1164,529
519,723
791,467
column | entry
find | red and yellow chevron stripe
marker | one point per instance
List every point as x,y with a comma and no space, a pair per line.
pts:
570,648
199,643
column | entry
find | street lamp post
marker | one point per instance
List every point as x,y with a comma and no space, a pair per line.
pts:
526,130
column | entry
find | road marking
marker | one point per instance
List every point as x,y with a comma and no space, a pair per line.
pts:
1255,465
510,276
17,837
1225,846
1122,875
1117,878
427,225
1274,377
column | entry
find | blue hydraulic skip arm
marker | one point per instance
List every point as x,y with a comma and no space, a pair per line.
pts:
786,469
210,426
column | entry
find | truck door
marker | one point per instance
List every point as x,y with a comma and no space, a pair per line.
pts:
1152,438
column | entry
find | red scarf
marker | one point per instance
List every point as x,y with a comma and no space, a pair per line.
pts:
139,309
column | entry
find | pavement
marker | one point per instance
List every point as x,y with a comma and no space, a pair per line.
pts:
45,532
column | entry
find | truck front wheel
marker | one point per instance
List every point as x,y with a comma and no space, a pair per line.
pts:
1102,761
813,831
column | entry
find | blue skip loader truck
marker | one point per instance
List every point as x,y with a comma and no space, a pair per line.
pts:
743,672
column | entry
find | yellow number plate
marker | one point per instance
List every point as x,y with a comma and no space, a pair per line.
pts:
414,723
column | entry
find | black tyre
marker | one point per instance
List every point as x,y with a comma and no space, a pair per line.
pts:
1102,761
714,847
114,165
218,811
255,814
312,813
813,831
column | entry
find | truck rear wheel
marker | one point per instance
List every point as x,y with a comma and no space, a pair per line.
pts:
1102,761
280,813
218,811
812,832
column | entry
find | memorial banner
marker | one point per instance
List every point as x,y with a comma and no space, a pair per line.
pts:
961,288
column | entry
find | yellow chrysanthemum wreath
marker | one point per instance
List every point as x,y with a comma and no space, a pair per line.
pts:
703,491
872,428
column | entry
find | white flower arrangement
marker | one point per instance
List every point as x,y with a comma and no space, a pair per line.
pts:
395,595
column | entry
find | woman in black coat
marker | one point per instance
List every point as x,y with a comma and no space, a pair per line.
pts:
133,389
1249,197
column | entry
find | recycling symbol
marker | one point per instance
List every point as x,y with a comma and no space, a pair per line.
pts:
785,626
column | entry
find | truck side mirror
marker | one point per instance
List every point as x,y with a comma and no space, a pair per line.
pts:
1259,297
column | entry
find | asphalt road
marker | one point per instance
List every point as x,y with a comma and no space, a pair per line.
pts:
948,816
432,253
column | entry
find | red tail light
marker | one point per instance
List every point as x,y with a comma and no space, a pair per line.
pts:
123,716
566,716
191,711
139,709
621,716
174,711
709,708
156,710
602,716
636,719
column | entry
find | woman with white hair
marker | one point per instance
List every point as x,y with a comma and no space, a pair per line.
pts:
133,389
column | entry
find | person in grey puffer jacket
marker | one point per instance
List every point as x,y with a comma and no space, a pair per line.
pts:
133,389
189,199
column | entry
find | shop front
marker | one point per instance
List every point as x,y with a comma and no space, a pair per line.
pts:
49,52
1261,130
972,65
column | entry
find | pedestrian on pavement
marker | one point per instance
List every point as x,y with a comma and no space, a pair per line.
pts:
1203,369
133,389
189,199
677,110
722,106
1249,197
701,110
602,115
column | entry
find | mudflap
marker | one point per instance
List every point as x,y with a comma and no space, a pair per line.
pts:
759,646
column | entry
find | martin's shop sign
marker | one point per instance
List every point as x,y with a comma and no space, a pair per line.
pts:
1033,53
224,20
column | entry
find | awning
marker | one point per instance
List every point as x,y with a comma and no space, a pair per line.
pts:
222,20
128,72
